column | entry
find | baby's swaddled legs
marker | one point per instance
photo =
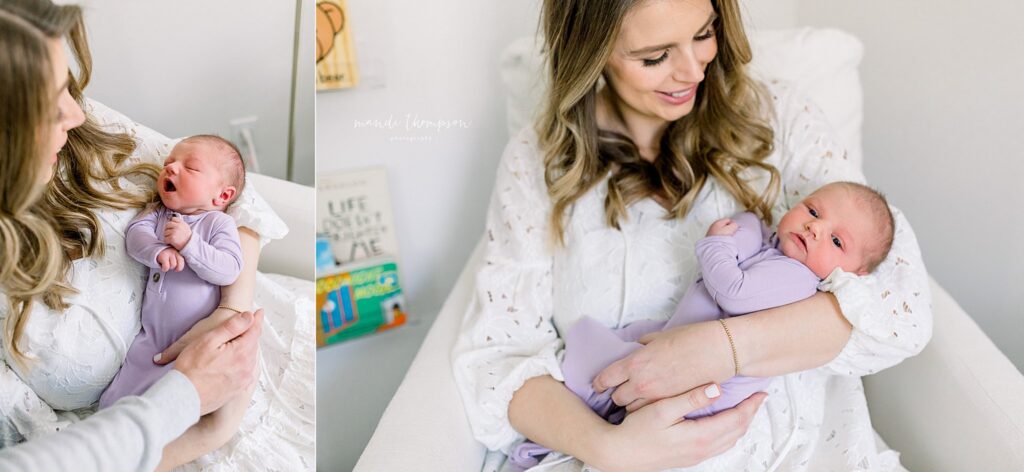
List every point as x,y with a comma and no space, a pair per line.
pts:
590,347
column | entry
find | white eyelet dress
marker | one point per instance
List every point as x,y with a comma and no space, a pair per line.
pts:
526,294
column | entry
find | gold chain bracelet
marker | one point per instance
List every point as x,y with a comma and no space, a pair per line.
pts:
236,310
732,345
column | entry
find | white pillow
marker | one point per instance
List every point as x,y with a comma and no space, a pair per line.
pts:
821,63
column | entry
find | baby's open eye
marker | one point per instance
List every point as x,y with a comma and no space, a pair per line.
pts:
813,212
837,242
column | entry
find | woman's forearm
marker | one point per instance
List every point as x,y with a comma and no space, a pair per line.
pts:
239,294
791,338
549,414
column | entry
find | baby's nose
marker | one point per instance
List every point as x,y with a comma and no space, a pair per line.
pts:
813,227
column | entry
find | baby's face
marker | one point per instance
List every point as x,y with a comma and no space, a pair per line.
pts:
192,179
828,230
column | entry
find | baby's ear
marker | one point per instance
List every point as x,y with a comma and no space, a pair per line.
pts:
225,195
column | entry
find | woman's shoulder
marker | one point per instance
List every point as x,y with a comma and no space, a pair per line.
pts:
523,152
785,100
525,142
800,128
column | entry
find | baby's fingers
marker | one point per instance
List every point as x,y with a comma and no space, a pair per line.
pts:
179,262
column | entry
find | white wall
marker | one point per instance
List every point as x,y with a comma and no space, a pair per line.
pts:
192,66
438,61
769,14
944,139
435,60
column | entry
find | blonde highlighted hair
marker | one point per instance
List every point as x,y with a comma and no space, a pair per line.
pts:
43,227
725,135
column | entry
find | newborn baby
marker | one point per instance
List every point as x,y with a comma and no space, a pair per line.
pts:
744,268
188,232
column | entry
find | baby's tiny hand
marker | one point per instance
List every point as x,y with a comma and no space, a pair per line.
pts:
723,227
169,259
177,233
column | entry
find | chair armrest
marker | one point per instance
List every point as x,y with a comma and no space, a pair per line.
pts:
294,203
959,405
425,426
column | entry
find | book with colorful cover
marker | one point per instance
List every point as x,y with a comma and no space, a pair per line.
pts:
357,287
357,299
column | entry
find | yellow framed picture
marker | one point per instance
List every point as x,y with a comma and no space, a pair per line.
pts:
335,56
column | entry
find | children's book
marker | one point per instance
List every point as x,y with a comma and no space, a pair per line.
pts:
357,286
357,299
354,215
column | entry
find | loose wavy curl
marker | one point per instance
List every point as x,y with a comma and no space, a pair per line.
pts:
725,135
43,229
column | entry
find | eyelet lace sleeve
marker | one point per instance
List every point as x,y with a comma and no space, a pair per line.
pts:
890,309
249,210
507,335
23,415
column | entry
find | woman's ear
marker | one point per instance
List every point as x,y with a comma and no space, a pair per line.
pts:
225,196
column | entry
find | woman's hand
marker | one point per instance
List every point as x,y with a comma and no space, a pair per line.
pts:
655,438
672,362
222,363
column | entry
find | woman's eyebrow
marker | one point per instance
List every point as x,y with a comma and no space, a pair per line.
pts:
650,49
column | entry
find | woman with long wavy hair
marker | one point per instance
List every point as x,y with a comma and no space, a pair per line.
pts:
70,293
651,130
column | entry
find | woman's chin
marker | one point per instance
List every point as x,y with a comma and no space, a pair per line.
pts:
673,113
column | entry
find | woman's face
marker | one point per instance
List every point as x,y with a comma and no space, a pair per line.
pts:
68,114
659,57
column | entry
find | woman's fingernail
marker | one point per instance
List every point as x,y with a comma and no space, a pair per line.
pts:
157,357
712,391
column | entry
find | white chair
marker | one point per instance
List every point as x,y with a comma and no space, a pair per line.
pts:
959,405
293,255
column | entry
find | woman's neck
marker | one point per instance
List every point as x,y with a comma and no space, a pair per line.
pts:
645,131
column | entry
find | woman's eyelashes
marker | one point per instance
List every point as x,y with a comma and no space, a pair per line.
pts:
654,62
707,34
